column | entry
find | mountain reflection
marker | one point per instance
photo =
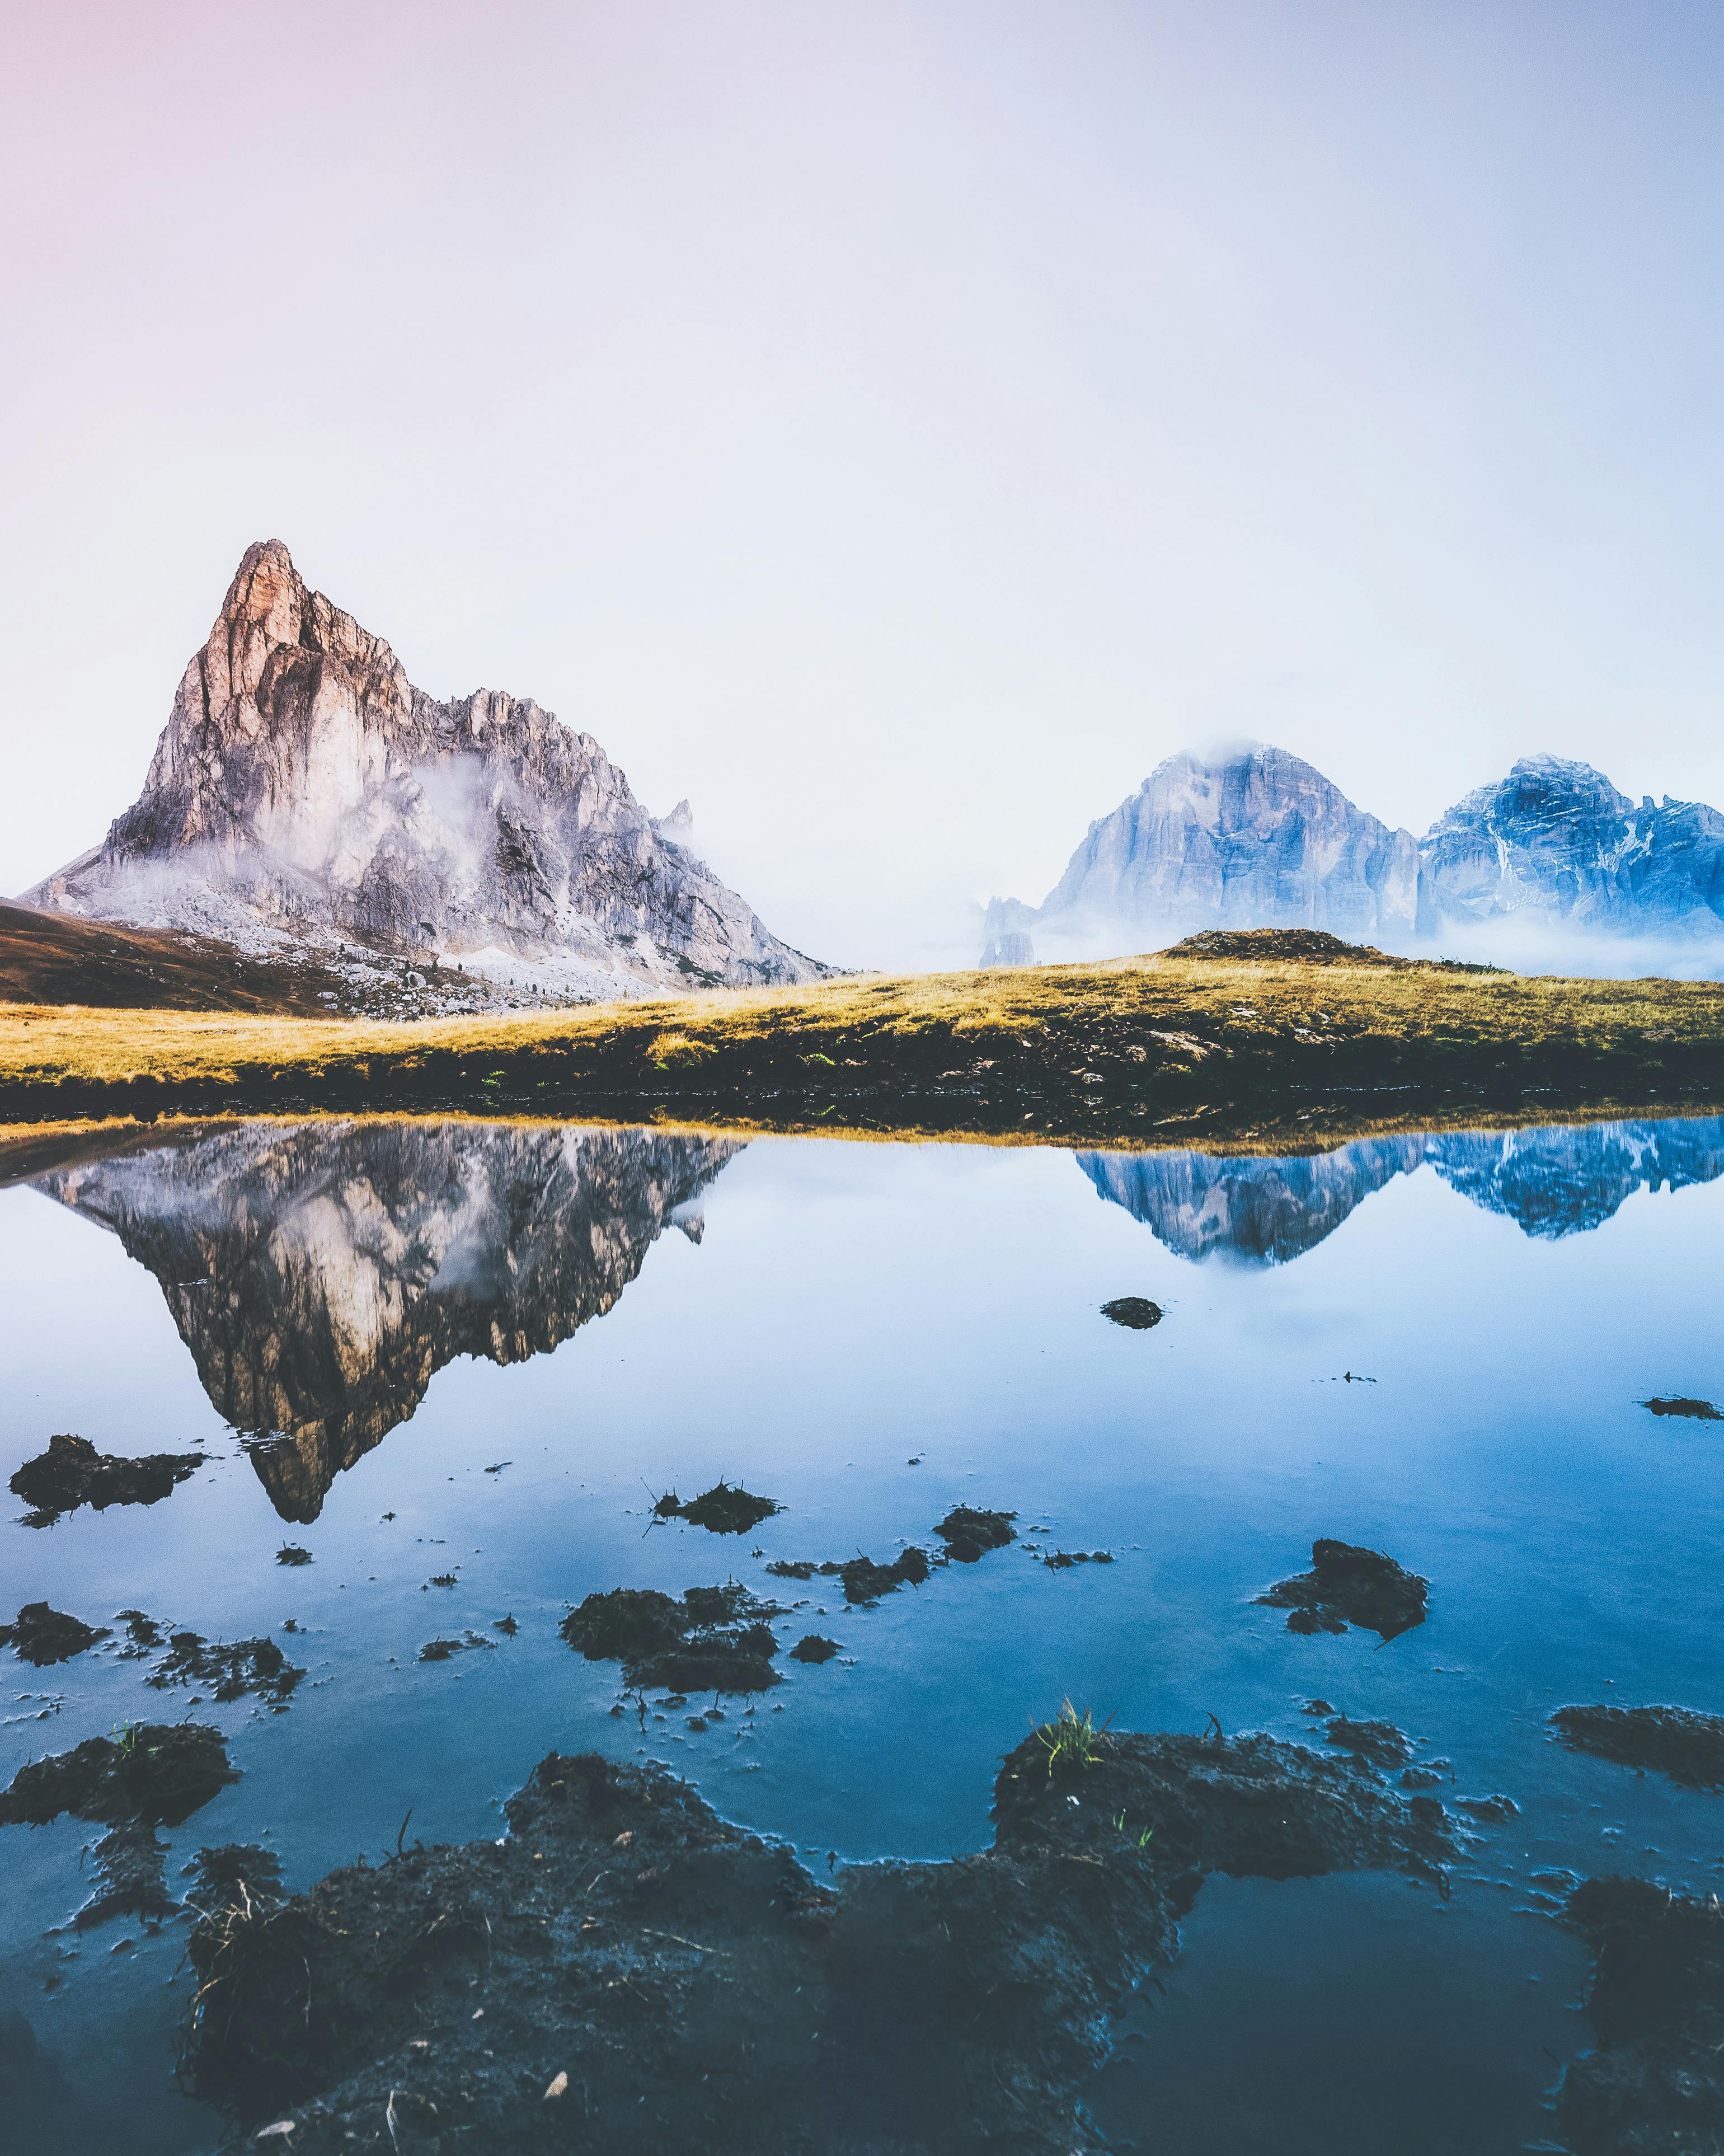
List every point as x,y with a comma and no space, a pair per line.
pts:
322,1273
1261,1210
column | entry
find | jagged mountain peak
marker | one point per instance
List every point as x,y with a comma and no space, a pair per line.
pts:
306,792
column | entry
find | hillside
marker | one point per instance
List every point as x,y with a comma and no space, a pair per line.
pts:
1170,1048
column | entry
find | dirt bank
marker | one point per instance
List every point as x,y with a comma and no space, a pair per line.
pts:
626,1971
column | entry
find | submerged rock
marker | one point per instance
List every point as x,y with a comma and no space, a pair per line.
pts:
706,1991
716,1638
72,1473
44,1636
1677,1741
1656,2082
1347,1585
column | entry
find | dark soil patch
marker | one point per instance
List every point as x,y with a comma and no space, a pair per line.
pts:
1655,2083
725,1509
72,1473
230,1668
1687,1746
1379,1743
159,1773
699,1989
968,1533
812,1648
1136,1312
1347,1585
235,1873
863,1580
715,1639
440,1651
43,1635
292,1553
1695,1410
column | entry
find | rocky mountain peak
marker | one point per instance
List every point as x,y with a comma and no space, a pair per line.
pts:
305,792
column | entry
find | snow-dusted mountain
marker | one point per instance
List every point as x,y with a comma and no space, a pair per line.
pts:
1260,839
304,793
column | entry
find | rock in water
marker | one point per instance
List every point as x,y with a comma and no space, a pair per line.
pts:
1347,1585
1255,840
305,790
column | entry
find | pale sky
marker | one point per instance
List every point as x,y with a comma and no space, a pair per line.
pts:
895,426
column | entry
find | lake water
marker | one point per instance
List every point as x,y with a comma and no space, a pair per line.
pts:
426,1350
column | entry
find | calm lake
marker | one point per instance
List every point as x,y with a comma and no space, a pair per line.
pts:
430,1353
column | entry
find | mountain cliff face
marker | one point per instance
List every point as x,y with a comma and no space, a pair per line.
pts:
1259,1211
1555,842
305,790
1258,839
321,1274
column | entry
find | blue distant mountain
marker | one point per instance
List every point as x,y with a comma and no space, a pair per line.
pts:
1262,1210
1258,839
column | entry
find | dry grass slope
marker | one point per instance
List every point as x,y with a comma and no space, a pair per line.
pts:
1154,1049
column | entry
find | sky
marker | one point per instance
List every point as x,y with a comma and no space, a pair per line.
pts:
893,427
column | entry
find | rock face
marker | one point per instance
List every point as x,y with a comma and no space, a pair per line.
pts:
1261,1210
1258,839
322,1274
1555,842
303,790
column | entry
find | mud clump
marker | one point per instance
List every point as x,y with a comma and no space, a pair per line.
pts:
715,1639
440,1651
1064,1560
1380,1744
1676,1741
230,1668
725,1509
44,1636
1134,1311
1656,2080
624,1936
863,1580
1347,1585
292,1553
969,1533
233,1872
72,1473
812,1648
157,1774
1694,1410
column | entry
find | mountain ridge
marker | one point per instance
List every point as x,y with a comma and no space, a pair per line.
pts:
1258,838
303,792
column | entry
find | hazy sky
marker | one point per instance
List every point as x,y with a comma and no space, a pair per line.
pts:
894,427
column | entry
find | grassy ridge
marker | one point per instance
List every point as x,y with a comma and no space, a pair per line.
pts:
1159,1050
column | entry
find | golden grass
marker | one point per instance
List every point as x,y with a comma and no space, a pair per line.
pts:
1233,1000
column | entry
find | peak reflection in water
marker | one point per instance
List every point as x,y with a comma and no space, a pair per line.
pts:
322,1273
1262,1210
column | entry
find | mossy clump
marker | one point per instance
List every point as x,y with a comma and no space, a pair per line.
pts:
44,1636
230,1668
291,1553
812,1648
969,1533
715,1639
72,1473
1136,1312
1347,1585
155,1774
726,1509
1693,1410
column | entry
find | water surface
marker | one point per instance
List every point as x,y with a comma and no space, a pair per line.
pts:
424,1351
